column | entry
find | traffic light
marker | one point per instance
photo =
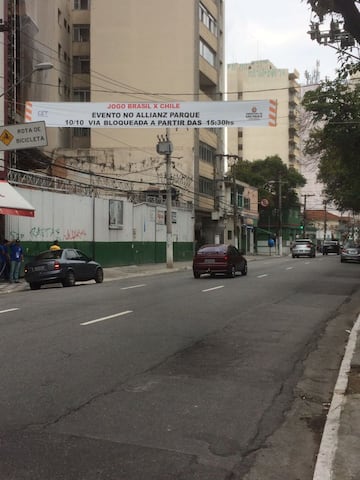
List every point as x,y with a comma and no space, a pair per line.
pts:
301,226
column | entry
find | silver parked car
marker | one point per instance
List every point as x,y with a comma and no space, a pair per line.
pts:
350,252
303,247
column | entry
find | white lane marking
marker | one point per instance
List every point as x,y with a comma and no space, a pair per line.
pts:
329,441
134,286
106,318
213,288
289,268
9,310
263,275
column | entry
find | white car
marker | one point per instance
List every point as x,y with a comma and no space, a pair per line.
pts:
303,247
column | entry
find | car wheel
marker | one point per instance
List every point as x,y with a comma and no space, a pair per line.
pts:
99,275
293,256
69,280
244,271
232,272
196,274
35,286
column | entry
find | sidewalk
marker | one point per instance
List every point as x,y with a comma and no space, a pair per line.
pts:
338,457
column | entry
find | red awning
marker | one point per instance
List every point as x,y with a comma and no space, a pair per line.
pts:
12,203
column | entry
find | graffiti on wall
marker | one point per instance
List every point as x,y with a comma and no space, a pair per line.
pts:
75,234
51,233
44,233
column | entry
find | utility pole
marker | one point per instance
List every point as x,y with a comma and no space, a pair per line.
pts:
165,147
237,234
280,217
279,233
235,208
325,219
304,214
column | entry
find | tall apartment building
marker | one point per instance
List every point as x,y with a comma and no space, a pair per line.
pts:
262,80
131,51
35,32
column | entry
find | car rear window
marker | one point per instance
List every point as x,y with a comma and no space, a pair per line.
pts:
49,255
351,245
215,250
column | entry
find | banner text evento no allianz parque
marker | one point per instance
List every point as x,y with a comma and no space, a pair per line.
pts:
257,113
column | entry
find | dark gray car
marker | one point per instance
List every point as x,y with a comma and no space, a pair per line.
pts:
65,266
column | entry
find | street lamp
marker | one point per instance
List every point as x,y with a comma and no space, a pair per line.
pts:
38,67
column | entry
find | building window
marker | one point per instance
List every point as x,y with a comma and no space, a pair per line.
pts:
239,198
59,16
206,153
207,19
247,203
81,33
207,53
81,4
81,132
60,87
81,95
206,186
81,64
59,50
116,214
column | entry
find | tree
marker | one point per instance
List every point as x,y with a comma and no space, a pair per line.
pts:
266,175
335,139
347,9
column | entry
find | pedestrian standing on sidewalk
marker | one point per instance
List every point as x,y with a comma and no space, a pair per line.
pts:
16,258
4,260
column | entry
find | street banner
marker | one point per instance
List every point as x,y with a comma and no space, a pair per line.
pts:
257,113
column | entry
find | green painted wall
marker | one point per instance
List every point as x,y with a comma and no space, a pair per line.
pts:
119,253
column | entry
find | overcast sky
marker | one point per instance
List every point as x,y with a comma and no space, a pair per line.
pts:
275,30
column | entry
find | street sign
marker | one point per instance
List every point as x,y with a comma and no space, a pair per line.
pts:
23,135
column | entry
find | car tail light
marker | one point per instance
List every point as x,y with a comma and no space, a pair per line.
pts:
57,266
226,258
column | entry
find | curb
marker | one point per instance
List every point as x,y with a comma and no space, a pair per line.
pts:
329,441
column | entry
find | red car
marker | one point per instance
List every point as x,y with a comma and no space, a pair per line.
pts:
214,259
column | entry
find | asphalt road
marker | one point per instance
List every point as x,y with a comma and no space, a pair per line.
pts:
168,377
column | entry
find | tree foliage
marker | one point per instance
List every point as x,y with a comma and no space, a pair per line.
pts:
266,175
348,11
335,139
